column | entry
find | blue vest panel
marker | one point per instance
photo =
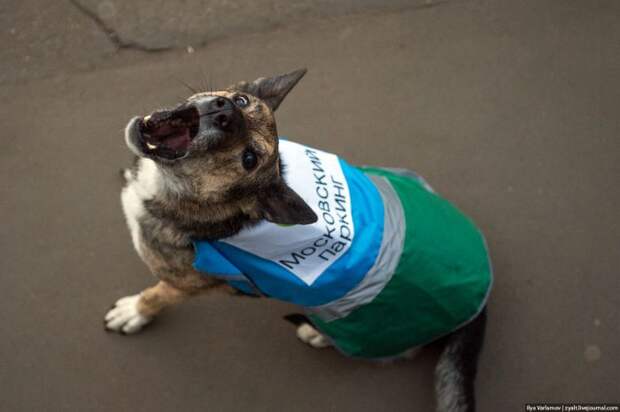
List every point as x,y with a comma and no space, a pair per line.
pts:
250,272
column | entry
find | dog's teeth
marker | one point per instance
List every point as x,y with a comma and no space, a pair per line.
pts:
151,146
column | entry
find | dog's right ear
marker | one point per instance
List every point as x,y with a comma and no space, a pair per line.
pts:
272,90
280,204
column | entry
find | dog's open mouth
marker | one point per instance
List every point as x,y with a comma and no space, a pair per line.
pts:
168,134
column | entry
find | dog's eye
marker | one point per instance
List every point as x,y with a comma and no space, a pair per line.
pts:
241,100
248,159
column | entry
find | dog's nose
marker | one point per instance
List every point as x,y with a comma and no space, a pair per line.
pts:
217,111
213,104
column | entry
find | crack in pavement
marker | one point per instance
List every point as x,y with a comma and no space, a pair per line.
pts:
131,42
114,37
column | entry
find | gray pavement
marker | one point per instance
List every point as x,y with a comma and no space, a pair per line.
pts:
510,109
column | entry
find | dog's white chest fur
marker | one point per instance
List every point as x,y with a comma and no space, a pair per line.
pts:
143,186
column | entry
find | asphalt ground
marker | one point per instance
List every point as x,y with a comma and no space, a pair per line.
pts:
509,109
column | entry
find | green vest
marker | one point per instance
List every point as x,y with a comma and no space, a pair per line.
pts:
441,282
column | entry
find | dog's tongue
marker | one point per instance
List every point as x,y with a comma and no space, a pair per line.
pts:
168,135
177,141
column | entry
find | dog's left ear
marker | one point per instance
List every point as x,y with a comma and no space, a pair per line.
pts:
280,204
272,90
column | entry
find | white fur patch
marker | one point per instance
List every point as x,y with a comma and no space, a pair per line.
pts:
308,334
146,184
124,316
148,180
133,209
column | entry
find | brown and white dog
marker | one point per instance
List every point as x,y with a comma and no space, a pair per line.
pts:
205,170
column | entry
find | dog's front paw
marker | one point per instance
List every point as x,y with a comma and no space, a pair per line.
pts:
124,316
308,334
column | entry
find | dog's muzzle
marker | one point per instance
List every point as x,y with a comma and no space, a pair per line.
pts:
169,134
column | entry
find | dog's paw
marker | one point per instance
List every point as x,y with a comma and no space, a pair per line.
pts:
124,316
308,334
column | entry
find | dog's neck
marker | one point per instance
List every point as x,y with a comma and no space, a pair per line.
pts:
176,204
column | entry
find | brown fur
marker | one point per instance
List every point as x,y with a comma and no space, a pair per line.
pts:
163,294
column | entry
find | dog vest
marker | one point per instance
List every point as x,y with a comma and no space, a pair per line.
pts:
389,265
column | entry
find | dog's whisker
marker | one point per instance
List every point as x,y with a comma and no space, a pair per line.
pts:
210,83
190,88
205,82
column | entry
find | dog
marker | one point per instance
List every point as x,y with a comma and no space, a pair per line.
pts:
216,201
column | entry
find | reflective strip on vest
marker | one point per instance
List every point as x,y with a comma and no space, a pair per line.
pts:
380,273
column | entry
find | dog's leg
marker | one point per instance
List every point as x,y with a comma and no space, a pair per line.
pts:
131,313
456,369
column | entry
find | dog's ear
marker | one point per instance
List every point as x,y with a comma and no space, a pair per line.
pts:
280,204
272,90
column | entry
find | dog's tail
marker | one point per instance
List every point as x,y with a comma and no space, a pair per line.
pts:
456,369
